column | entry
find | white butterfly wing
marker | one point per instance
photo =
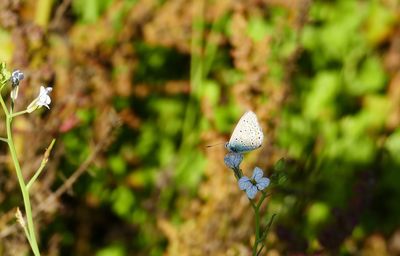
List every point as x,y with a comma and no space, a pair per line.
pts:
247,134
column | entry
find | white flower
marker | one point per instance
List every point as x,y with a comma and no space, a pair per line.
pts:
43,99
255,184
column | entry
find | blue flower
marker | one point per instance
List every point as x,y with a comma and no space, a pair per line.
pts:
16,77
255,184
233,160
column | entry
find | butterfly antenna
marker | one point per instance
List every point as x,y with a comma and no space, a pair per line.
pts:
209,146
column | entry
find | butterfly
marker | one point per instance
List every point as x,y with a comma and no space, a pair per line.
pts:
247,134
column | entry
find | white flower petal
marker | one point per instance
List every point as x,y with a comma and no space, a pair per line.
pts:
244,183
14,93
251,191
47,100
42,91
262,183
44,99
257,174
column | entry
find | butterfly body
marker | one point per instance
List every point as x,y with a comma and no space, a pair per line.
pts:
247,134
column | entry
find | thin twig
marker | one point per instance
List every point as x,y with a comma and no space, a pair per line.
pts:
72,179
62,8
42,165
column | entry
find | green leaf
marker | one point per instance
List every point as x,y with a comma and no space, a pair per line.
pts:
122,200
280,165
372,75
117,164
392,144
318,213
319,101
257,28
112,250
380,22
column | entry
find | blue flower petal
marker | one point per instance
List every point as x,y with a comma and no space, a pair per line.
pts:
251,191
233,160
262,183
244,183
16,77
257,174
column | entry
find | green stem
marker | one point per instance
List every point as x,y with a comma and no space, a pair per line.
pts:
264,195
238,174
25,193
27,234
3,105
42,165
19,113
3,83
33,179
4,139
264,234
257,212
257,224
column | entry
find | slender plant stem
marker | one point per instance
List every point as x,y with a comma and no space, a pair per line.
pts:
42,165
37,173
25,193
26,232
4,139
3,105
257,224
3,83
264,234
19,113
257,217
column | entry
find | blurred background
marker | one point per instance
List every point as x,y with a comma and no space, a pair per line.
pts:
142,86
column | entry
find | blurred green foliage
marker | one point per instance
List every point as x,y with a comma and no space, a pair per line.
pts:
90,11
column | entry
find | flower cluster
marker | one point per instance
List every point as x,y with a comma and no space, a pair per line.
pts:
250,185
12,81
43,99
